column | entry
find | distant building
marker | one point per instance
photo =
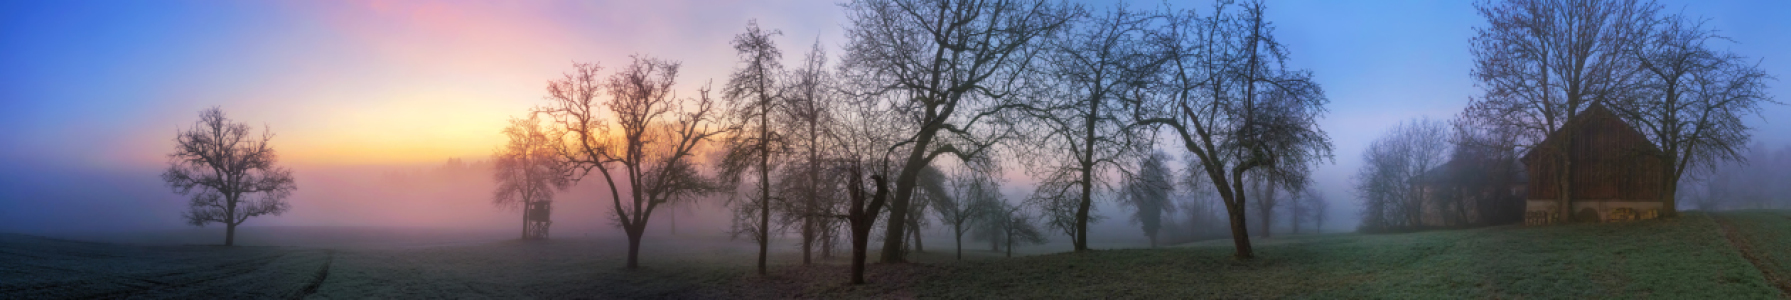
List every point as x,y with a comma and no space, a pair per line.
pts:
1469,191
1616,174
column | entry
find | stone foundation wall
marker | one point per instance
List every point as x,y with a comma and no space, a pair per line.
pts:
1544,211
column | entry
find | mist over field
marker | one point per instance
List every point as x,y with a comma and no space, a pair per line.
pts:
895,149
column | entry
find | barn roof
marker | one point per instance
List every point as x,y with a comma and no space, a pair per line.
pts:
1597,120
1447,171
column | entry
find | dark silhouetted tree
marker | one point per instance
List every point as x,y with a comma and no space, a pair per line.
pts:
1080,130
229,173
1539,63
808,96
649,145
1691,98
1017,226
859,150
1147,193
1308,207
952,69
972,195
1231,100
1394,165
754,97
863,215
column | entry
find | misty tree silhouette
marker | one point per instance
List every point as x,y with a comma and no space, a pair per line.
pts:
218,163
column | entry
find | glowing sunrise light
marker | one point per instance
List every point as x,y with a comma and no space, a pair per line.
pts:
412,129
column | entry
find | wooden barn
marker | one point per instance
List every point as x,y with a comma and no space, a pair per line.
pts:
1616,173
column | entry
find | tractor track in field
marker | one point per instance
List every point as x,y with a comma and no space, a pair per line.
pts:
171,280
1763,264
323,273
85,283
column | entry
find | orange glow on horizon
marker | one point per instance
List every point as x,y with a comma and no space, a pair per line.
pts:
414,129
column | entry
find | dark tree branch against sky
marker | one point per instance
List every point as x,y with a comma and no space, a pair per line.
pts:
1539,63
953,69
643,138
1230,99
753,93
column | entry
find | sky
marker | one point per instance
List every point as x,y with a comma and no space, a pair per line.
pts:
92,92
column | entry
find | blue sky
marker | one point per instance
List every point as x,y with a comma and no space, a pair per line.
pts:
96,89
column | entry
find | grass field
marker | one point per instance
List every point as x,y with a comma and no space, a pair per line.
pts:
1728,255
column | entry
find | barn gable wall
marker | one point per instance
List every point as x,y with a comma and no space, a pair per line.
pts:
1612,163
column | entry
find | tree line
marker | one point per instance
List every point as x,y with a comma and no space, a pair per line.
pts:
927,104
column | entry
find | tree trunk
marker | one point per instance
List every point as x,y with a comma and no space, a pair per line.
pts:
1266,207
1087,161
1669,197
1240,237
808,241
1081,239
904,190
861,238
1010,245
1295,219
634,245
813,226
960,239
525,220
1240,233
229,234
764,182
916,232
827,243
1566,183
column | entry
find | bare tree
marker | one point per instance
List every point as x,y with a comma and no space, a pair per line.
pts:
916,222
753,94
1233,102
1147,193
808,95
860,149
863,214
1296,210
222,165
1486,168
1269,186
1017,227
1691,99
528,172
1093,65
1308,207
1540,62
972,196
951,69
649,149
1394,166
1199,201
1320,208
